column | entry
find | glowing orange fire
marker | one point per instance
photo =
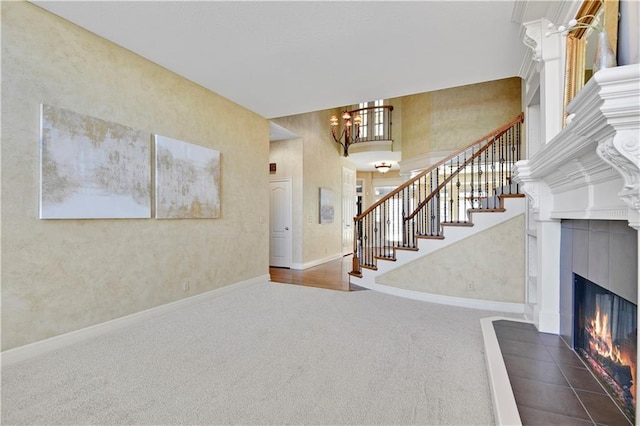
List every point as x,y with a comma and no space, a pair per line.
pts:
601,342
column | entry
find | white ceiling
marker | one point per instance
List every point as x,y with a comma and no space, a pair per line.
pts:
280,58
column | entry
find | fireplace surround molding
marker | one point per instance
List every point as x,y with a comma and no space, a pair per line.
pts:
591,168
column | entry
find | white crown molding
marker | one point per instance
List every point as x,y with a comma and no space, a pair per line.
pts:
598,148
519,11
563,11
556,11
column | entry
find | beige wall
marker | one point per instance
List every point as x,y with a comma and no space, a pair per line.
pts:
322,167
445,120
63,275
492,260
396,123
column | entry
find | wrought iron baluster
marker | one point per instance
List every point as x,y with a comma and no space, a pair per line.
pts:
405,212
493,167
486,174
393,224
381,230
457,198
471,189
387,222
464,188
402,230
518,150
501,166
454,197
514,159
363,245
374,234
365,240
372,238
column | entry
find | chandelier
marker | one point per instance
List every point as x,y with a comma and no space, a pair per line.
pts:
383,167
350,133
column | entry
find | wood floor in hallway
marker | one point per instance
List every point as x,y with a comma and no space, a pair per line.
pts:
330,275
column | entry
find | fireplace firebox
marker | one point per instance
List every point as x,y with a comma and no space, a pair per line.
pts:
605,336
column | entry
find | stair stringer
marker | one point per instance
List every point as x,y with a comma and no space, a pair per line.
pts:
482,221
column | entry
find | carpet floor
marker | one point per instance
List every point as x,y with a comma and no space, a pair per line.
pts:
267,354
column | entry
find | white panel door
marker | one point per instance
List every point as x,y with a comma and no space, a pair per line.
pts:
348,209
280,223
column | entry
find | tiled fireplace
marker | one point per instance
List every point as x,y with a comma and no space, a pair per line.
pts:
598,302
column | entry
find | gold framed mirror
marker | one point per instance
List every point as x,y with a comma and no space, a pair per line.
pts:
577,70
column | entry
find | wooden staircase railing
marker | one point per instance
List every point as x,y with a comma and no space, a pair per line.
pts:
472,179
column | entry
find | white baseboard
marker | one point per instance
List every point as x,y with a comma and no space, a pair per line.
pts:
486,305
505,409
307,265
23,353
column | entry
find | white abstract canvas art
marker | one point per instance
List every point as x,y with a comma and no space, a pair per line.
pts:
187,180
92,168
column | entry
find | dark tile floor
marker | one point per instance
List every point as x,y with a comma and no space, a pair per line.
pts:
550,383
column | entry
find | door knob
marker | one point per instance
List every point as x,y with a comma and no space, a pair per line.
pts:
286,228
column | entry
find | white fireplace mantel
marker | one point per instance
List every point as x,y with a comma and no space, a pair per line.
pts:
591,168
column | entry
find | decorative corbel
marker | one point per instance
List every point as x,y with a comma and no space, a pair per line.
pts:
530,187
531,190
533,39
622,152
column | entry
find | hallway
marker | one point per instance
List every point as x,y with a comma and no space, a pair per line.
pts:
331,275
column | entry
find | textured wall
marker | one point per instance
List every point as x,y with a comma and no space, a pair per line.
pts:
63,275
416,125
445,120
493,260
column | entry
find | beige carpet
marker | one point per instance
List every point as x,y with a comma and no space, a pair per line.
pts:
268,354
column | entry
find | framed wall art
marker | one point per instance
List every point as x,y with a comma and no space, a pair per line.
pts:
187,180
92,168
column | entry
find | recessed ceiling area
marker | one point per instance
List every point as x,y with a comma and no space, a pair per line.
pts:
279,133
366,161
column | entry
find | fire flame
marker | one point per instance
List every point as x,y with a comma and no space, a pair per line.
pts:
601,342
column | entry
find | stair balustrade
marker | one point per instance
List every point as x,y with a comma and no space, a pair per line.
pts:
473,179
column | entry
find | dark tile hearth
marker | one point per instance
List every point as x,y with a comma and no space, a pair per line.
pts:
550,383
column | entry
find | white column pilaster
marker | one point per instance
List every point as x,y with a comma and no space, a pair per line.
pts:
549,53
547,310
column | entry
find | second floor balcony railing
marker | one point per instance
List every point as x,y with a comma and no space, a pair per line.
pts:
363,125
